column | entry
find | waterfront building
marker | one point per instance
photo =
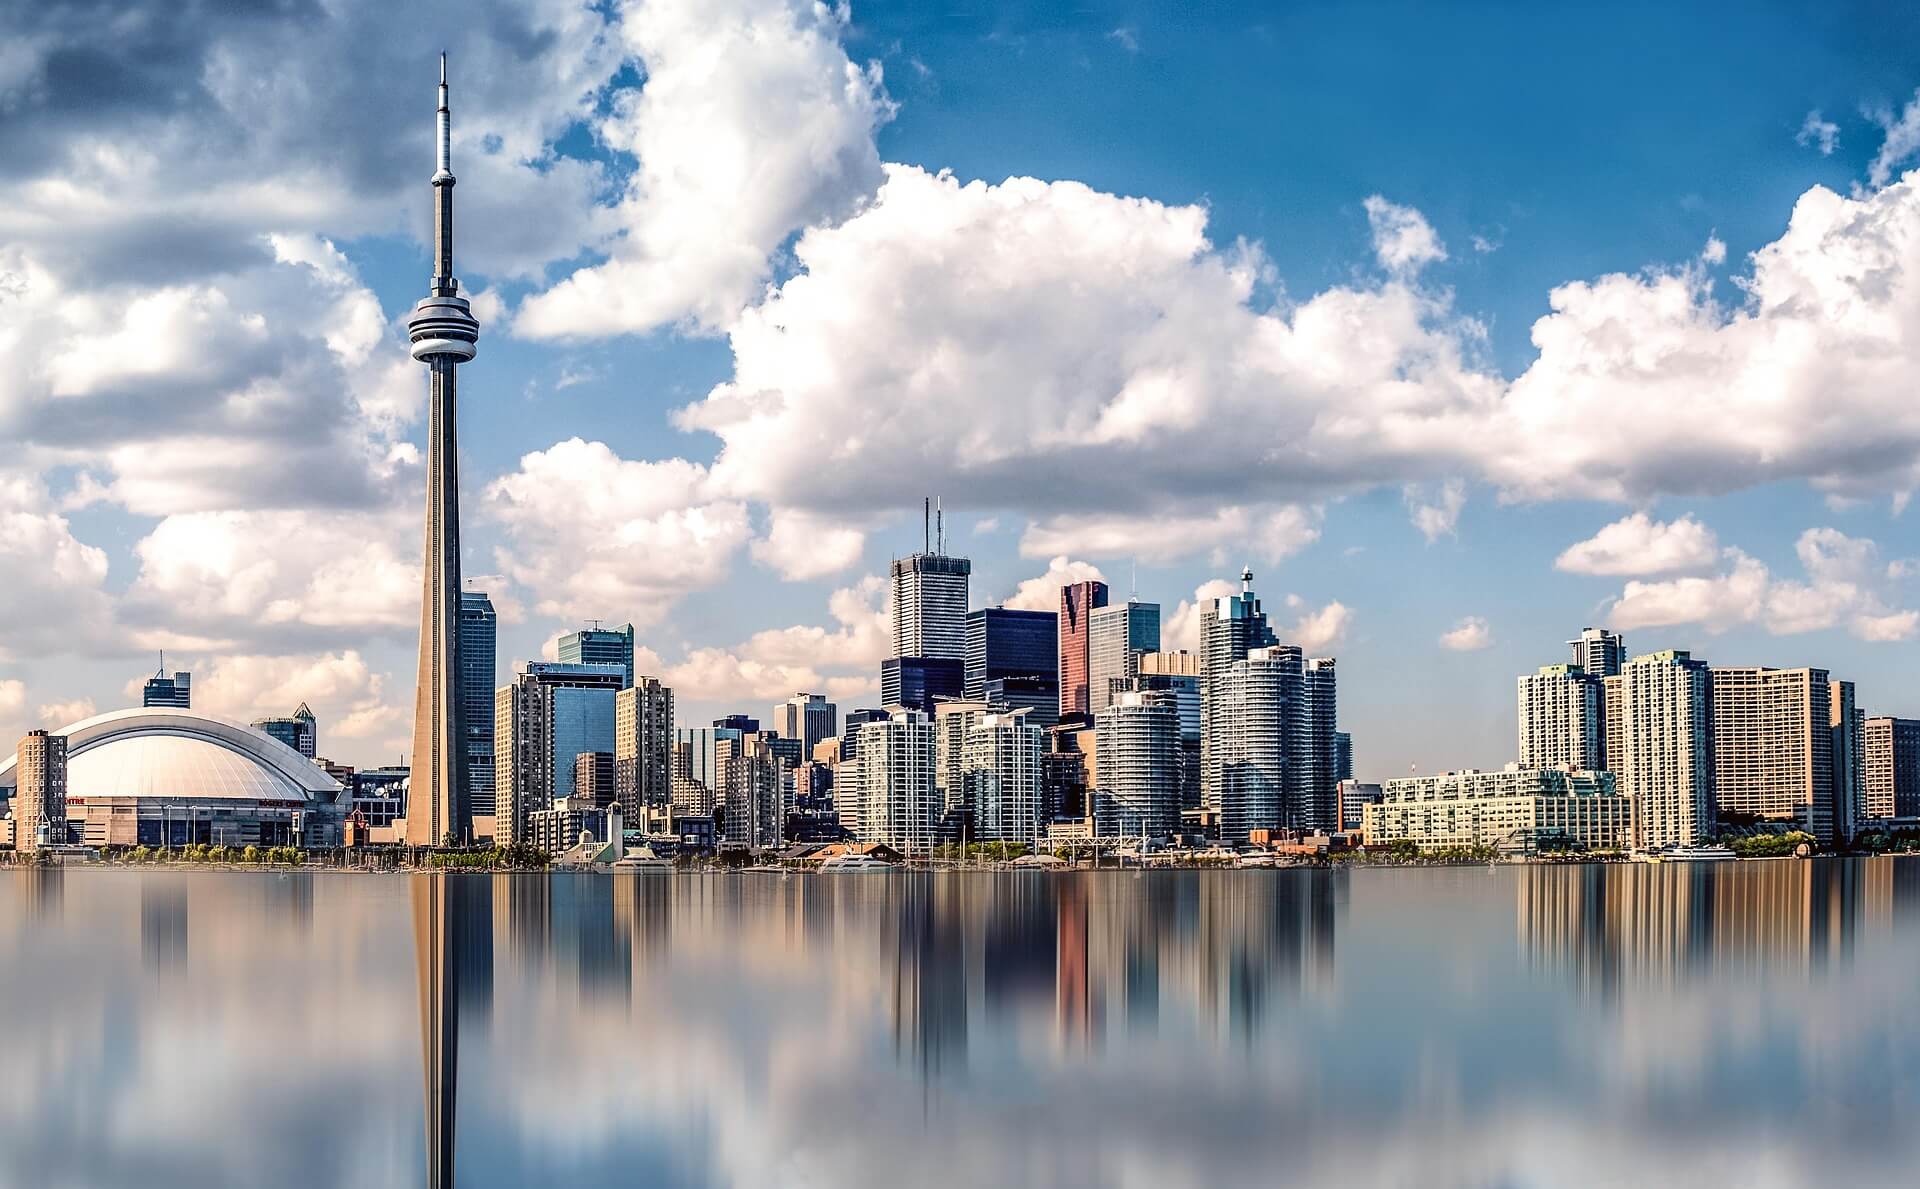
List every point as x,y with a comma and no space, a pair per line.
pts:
1847,725
808,718
551,712
443,332
1773,746
1313,775
1003,642
379,795
1078,601
750,805
1342,755
1136,782
299,730
919,682
558,827
1666,765
643,747
899,803
704,745
850,728
1250,716
1598,653
1000,766
40,792
1562,719
598,646
173,692
1613,720
1354,799
1891,751
166,777
1117,635
1519,810
479,633
1230,628
1178,673
951,723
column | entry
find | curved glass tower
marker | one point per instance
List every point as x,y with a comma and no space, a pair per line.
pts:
444,332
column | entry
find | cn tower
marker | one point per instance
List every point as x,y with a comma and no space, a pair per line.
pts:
444,332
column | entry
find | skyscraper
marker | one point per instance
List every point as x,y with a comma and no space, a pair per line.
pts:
808,718
598,646
1077,603
1342,755
1562,710
1000,768
1230,628
1773,746
1667,765
951,722
899,803
1891,753
1116,636
927,601
749,803
1178,673
175,692
643,746
1004,642
919,682
1136,779
299,730
40,797
547,716
443,331
1249,719
1598,652
1314,783
1847,726
478,632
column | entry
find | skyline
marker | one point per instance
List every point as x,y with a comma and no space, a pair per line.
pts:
275,566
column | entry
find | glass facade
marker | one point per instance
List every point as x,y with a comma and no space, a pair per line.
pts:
477,658
1002,642
582,722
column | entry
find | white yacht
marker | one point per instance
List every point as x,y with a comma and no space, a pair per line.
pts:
1697,854
857,863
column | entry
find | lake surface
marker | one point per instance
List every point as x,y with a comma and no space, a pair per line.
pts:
1751,1023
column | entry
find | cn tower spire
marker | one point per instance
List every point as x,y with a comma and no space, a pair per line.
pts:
444,333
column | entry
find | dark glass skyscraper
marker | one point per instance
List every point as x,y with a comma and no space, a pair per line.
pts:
478,629
175,692
916,682
1002,642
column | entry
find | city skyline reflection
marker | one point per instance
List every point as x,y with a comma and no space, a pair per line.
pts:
1092,1028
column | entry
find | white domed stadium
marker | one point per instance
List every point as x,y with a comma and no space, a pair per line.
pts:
162,776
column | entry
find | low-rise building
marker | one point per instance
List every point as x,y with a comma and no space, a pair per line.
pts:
1519,810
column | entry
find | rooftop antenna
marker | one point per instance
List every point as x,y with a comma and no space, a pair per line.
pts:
1133,580
926,525
939,529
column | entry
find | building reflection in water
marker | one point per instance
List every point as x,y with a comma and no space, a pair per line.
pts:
163,923
1622,925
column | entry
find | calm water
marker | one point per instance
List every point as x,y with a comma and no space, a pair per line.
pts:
1756,1023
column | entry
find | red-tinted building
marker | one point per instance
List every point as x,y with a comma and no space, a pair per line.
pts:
1077,602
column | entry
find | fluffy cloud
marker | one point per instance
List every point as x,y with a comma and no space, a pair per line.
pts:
1638,544
52,597
1317,628
349,699
1042,593
1437,516
275,579
1469,635
1821,133
1403,240
54,715
1098,345
1842,587
842,661
753,124
1902,138
594,535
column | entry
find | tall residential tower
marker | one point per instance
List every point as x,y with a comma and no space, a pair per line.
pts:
444,332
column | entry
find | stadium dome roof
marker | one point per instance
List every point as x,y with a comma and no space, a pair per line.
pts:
178,754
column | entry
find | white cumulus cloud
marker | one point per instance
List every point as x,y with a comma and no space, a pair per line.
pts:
1639,544
1470,634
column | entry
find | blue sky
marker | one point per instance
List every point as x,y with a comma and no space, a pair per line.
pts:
1283,260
